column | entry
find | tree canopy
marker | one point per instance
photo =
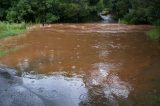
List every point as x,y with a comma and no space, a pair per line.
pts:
49,11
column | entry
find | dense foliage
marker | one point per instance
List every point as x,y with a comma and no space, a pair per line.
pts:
132,11
137,11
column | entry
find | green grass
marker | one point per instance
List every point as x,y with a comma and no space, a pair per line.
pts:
11,29
7,30
154,33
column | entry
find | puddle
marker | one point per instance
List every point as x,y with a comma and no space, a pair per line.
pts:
83,65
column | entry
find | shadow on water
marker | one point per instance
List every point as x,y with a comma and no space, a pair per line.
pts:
82,65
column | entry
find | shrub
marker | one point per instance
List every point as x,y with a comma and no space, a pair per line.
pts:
154,33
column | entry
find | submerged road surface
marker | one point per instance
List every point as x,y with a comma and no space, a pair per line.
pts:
81,65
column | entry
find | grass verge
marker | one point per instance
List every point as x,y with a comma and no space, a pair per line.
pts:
7,30
11,29
154,33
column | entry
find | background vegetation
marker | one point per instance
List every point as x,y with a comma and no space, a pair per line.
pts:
49,11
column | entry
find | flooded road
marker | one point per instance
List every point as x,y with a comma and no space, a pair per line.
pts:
83,65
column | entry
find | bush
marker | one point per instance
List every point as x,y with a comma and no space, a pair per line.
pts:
51,10
137,16
51,18
154,33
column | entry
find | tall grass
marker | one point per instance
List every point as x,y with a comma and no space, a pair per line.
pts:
154,33
11,29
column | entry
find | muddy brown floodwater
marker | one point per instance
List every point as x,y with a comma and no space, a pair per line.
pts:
93,64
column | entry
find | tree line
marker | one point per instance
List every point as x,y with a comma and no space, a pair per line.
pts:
50,11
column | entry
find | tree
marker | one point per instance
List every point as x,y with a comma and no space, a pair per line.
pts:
132,11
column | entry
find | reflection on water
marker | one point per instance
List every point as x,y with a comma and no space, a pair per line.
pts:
112,84
86,65
104,81
57,89
23,64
